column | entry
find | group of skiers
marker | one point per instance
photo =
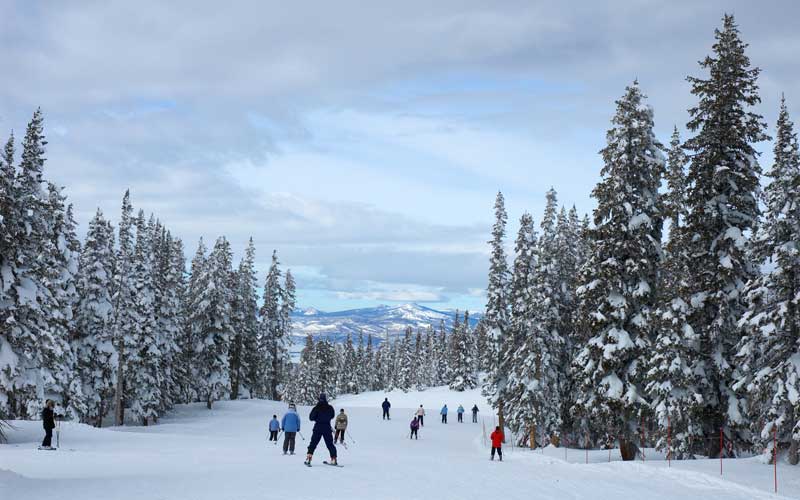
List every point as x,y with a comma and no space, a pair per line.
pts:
322,414
419,416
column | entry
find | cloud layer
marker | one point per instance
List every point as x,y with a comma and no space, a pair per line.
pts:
363,140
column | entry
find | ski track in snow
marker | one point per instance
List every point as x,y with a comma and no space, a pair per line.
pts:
224,454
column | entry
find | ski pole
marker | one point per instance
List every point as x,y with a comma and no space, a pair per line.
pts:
351,437
301,435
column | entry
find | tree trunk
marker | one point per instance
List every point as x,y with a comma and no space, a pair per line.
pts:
794,452
119,410
209,402
501,421
627,449
533,436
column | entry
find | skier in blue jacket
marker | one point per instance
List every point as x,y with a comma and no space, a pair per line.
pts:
274,427
290,425
443,413
321,415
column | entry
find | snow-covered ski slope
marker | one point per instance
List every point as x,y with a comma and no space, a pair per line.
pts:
224,454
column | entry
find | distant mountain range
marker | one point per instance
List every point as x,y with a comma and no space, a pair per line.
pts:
381,321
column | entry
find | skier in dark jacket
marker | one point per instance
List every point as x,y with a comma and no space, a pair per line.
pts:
321,415
475,414
386,405
49,423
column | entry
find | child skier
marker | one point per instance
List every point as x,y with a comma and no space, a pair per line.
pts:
443,413
321,415
421,416
290,425
341,426
497,442
460,412
414,428
274,427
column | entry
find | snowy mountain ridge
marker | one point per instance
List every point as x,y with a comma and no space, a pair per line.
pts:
382,322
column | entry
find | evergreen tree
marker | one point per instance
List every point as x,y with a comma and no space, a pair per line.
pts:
212,325
308,381
722,209
619,286
245,355
273,340
497,312
462,372
767,360
145,361
94,336
124,299
172,267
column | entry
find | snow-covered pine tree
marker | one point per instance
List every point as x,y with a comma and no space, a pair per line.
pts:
723,209
245,354
287,307
94,336
172,267
371,366
462,367
273,340
442,361
307,384
326,369
58,266
9,233
40,350
405,362
362,364
674,199
124,307
419,362
212,325
618,291
144,362
349,370
768,366
671,382
497,311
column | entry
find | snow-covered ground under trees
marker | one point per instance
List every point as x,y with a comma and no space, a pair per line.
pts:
223,454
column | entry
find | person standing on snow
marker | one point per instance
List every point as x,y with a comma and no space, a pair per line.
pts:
497,442
321,415
386,405
340,425
421,416
414,428
49,423
443,413
290,425
274,427
460,412
474,414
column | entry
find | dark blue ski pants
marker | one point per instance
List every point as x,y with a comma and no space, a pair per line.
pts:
325,434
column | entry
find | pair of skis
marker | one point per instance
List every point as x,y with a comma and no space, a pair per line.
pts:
308,464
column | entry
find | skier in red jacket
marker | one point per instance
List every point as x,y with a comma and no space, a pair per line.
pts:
497,442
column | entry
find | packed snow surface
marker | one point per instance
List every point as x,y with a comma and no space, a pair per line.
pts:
224,454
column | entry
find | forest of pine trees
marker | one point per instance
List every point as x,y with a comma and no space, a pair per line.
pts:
413,361
113,330
676,311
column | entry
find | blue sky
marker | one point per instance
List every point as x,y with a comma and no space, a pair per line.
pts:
363,141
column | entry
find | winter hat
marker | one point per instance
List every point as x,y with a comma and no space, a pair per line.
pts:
292,406
323,398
